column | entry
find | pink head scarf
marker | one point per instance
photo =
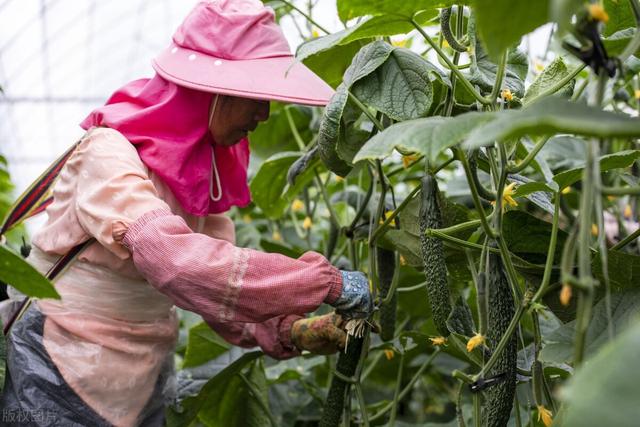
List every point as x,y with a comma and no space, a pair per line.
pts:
168,125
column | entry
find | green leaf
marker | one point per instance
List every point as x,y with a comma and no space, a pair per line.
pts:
203,345
562,11
400,88
555,115
620,16
617,160
18,273
274,135
376,26
604,391
559,347
349,9
617,42
211,393
236,405
429,136
483,69
368,59
551,75
624,270
331,64
269,187
528,236
501,23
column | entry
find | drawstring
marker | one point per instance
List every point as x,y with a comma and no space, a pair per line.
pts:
215,172
214,168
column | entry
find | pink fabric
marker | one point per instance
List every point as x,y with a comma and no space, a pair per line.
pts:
168,125
235,47
225,283
232,29
112,327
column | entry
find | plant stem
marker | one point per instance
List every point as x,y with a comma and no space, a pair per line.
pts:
396,394
467,84
634,44
457,242
408,387
366,112
362,404
529,157
624,242
294,129
477,410
621,191
306,16
546,278
412,288
499,77
378,231
325,197
463,226
504,340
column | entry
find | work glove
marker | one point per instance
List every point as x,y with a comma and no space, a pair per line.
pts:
355,302
319,334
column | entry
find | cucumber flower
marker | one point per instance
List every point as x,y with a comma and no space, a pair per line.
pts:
597,13
474,342
297,205
438,340
388,353
507,196
544,415
307,223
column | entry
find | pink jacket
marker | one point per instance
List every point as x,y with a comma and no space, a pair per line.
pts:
115,324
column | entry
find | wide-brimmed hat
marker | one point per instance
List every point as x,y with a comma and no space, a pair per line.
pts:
235,47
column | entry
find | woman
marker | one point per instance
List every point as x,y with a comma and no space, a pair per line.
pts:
158,165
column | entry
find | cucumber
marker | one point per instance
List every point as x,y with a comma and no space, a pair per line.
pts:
499,398
346,365
435,268
386,262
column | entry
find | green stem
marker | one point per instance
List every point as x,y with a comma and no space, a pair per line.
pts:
459,414
504,340
366,111
325,197
363,206
412,288
458,242
396,394
378,231
546,278
306,16
529,158
624,242
463,226
477,410
362,404
408,387
578,92
620,191
499,77
474,193
294,129
472,90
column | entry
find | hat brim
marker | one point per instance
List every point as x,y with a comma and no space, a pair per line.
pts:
275,79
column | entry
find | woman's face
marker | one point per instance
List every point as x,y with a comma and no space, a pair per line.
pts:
235,117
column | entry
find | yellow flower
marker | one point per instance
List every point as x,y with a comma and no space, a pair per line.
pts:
539,66
636,93
314,33
506,95
594,230
566,190
438,340
565,294
276,236
507,196
445,43
474,342
307,223
402,260
399,43
627,212
246,218
597,12
407,160
545,415
297,205
339,178
384,217
611,198
388,353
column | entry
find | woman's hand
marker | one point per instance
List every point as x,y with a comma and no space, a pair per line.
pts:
319,334
355,302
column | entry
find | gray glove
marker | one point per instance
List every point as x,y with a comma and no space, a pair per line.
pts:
355,302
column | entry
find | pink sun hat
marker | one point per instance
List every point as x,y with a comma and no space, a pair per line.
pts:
235,47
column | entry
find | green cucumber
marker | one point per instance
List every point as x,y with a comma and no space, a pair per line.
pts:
337,396
386,262
435,268
499,398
